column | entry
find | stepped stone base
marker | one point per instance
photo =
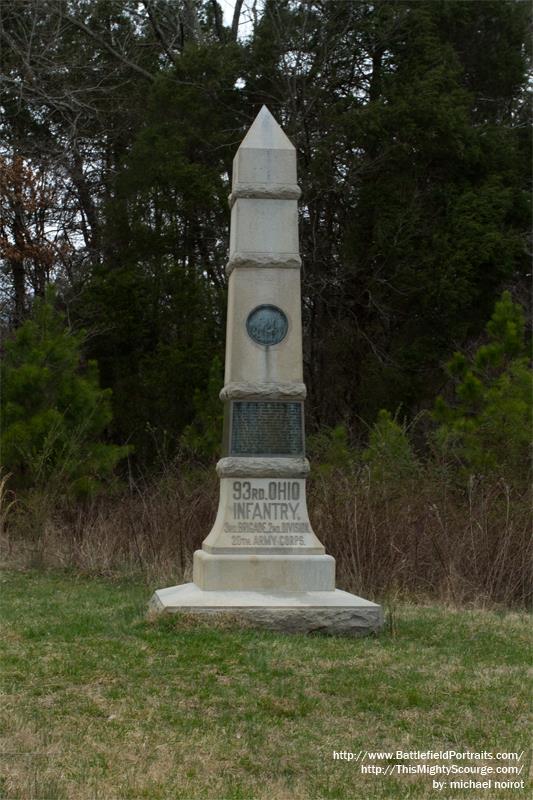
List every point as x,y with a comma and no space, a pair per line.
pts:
265,573
334,612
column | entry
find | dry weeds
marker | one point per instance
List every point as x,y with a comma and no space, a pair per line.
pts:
424,538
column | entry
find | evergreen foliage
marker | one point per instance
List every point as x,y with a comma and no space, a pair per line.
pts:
389,454
412,129
428,220
330,450
487,426
203,438
160,298
53,411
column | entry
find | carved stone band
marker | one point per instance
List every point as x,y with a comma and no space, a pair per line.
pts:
264,260
262,467
265,191
265,391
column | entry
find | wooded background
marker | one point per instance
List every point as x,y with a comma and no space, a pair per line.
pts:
120,120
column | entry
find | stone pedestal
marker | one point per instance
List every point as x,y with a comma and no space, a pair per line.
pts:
332,612
262,559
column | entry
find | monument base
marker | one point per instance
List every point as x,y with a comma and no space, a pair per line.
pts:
331,612
264,573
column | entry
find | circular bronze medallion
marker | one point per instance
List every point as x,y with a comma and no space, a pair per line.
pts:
267,325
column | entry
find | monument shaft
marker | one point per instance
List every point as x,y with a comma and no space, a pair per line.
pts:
262,510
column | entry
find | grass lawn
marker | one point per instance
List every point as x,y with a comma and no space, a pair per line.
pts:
101,702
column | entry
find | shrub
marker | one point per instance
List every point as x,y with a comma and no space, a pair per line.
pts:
329,450
487,426
203,438
389,454
53,411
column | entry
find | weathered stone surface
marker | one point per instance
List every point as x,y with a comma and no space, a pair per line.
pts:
263,260
266,391
264,226
268,191
275,571
335,612
256,467
262,516
266,155
247,361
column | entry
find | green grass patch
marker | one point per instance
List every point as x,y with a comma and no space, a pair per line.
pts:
102,702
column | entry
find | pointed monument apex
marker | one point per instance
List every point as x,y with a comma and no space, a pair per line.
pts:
264,166
266,134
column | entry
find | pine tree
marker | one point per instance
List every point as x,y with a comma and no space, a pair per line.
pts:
487,426
53,412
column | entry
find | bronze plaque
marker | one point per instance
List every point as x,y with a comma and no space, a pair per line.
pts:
266,428
267,325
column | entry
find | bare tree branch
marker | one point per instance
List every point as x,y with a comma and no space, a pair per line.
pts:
85,28
158,32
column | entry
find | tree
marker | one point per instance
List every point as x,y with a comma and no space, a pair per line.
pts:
33,241
134,106
73,83
53,412
412,157
411,126
157,303
487,425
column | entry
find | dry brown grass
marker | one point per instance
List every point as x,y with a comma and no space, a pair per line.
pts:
422,537
426,537
101,703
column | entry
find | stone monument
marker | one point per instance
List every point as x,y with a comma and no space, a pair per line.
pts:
262,559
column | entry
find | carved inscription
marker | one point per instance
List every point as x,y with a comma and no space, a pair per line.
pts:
271,514
266,428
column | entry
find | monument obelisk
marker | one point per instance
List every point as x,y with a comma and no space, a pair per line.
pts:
262,559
